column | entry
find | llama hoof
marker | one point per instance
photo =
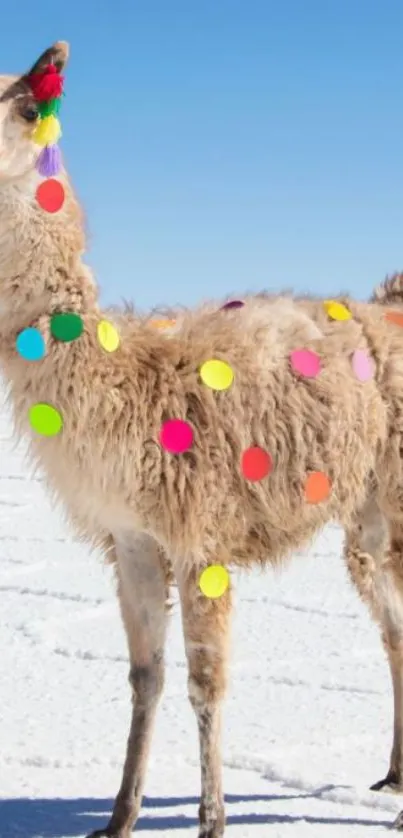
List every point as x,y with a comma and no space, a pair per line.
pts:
391,784
398,823
110,833
215,830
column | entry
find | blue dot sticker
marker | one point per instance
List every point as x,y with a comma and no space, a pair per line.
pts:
30,345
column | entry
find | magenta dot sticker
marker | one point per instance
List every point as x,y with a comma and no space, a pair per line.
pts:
176,436
233,304
305,362
363,365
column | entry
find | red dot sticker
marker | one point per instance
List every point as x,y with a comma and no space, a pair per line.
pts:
176,436
256,463
50,195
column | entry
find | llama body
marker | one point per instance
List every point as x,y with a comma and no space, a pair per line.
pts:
109,467
158,515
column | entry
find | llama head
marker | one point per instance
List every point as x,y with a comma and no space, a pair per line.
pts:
19,116
42,236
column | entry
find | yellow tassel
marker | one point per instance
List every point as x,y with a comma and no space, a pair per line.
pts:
48,131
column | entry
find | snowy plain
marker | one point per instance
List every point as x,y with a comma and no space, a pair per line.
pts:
307,721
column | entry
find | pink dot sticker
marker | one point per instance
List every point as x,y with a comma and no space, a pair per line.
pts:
363,365
305,362
176,436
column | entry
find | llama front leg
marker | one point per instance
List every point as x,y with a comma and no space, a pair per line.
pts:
206,633
142,591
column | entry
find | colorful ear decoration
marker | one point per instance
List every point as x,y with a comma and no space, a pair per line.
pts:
47,88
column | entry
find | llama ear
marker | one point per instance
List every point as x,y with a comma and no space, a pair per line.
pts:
57,54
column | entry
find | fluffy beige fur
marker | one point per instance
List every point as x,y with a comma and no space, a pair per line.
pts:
159,516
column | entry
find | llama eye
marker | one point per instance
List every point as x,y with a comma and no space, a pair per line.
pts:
29,113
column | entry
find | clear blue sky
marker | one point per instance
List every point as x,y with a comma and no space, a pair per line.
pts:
228,145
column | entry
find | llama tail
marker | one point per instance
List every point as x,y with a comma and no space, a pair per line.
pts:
390,291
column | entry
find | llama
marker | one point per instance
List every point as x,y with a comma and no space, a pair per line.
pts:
227,439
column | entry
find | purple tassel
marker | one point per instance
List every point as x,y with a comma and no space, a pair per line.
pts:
49,161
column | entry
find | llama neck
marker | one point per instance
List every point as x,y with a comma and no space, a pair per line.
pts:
41,268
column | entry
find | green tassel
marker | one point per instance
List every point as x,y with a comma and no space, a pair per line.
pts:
50,108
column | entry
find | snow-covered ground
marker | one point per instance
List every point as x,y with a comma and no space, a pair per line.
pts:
307,722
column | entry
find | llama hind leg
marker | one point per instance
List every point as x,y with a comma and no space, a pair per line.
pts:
374,553
393,781
206,633
142,591
393,639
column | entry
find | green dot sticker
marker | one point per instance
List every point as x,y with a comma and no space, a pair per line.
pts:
45,419
66,326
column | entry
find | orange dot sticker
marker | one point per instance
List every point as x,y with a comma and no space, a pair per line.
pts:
256,463
395,317
163,323
317,487
50,195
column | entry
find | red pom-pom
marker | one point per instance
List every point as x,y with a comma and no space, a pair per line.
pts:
46,85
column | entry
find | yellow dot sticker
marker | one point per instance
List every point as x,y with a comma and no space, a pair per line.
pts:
337,311
45,419
217,375
214,581
108,336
